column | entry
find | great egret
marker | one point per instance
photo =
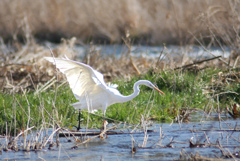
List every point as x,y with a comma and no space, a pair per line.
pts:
89,88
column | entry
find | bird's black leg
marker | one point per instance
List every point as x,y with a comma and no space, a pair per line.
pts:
79,120
101,129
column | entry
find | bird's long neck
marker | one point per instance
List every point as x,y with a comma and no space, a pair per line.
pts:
134,94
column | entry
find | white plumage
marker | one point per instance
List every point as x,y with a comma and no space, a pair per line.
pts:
89,88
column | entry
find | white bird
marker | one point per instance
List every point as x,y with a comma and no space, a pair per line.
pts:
89,88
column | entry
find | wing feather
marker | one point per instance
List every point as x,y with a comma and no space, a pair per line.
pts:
82,78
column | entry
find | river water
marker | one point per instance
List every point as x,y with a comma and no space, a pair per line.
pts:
155,51
210,132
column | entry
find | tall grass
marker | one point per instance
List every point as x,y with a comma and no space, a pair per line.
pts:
148,21
29,98
184,90
50,107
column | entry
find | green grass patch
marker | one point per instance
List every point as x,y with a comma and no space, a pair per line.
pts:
183,90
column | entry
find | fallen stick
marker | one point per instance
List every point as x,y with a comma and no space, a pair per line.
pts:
89,139
197,62
208,50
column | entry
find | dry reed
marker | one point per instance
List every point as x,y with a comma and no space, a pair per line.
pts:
150,21
25,67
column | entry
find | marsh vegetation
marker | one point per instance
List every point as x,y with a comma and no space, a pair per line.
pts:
35,98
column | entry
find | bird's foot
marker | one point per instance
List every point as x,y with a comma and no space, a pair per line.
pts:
103,130
77,128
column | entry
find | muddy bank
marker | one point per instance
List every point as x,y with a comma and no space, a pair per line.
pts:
152,22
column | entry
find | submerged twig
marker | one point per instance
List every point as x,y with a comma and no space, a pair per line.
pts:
89,139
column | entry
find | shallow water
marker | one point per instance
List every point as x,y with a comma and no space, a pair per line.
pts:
118,147
155,51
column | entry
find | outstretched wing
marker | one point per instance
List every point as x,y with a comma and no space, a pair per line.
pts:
81,77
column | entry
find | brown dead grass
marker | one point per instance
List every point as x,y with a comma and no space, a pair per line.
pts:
26,67
23,66
167,21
